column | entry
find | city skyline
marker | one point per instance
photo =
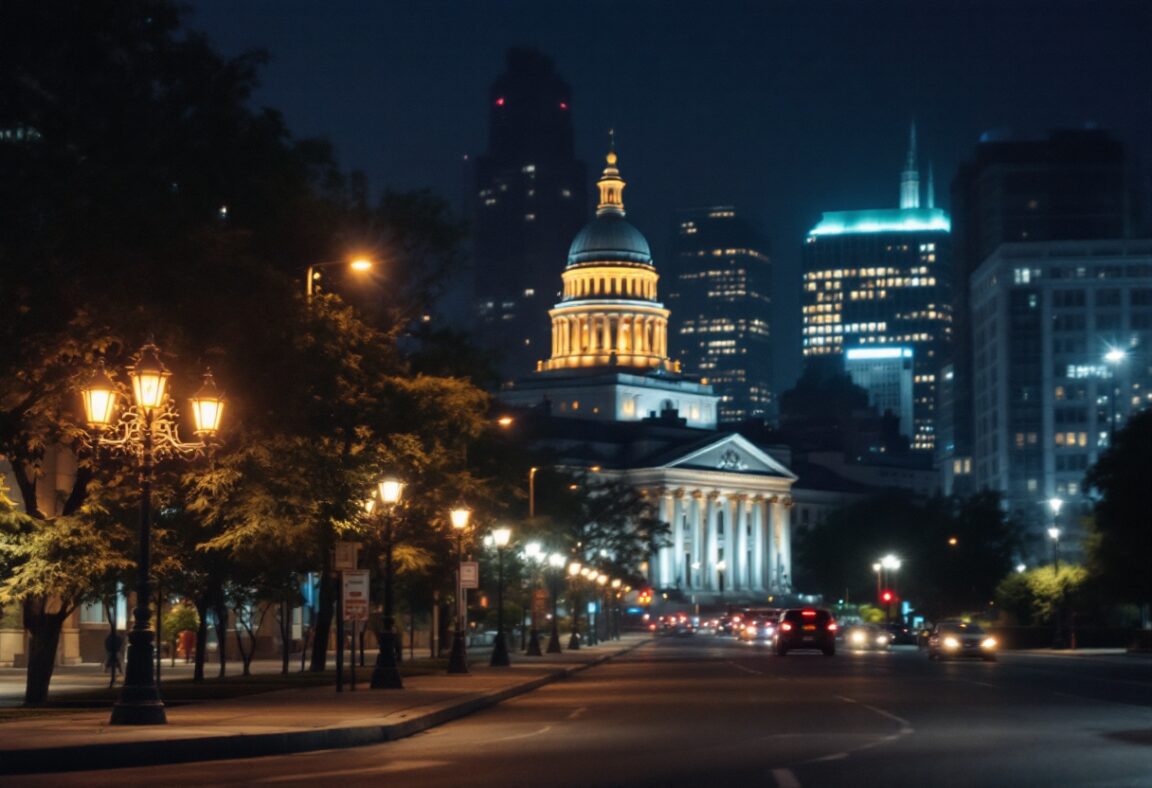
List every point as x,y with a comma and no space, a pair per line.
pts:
784,112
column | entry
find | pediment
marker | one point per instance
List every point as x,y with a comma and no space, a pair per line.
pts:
731,454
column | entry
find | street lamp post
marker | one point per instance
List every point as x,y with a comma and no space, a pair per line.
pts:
458,658
556,561
147,431
359,264
574,570
500,538
1055,504
890,564
534,555
386,673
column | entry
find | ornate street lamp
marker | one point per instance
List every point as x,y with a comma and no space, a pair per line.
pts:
500,538
556,561
458,658
147,430
386,673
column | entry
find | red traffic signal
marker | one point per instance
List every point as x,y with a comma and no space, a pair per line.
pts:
886,596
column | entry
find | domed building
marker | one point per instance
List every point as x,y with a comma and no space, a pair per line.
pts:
609,400
609,355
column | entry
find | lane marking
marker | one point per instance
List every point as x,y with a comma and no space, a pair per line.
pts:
543,730
738,666
395,766
575,715
785,778
906,729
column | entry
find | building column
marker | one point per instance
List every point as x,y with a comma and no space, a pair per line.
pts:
772,522
697,521
713,542
786,543
678,577
758,543
739,561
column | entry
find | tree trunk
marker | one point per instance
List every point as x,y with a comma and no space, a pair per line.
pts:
220,613
323,620
201,641
44,630
285,635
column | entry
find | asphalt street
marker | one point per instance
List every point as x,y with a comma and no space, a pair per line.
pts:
703,711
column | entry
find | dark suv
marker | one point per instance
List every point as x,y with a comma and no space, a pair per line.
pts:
805,627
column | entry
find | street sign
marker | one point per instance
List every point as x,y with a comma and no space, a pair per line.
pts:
344,556
469,574
356,595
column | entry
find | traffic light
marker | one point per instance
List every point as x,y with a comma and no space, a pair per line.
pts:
645,596
886,597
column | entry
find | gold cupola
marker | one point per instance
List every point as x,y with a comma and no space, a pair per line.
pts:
608,315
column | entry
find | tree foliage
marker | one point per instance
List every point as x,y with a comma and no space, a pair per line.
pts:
1121,547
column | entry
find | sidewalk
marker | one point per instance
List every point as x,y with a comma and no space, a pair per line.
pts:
286,721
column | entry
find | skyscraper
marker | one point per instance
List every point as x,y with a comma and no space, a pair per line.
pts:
881,278
1061,337
719,292
529,202
1072,185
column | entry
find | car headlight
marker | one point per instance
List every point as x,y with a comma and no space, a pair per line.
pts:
951,642
988,643
857,637
882,640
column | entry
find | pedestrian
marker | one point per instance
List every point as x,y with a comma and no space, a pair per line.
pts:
187,644
112,645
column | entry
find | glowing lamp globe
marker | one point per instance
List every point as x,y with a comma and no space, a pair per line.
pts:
207,407
149,378
99,396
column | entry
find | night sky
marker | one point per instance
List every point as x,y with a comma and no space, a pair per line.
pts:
783,109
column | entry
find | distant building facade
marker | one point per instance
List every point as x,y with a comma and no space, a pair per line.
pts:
1062,351
886,373
1073,184
529,200
882,278
719,290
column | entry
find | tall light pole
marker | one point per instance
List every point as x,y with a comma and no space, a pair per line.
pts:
500,538
312,275
890,564
146,431
1055,505
556,562
386,673
532,491
534,556
458,658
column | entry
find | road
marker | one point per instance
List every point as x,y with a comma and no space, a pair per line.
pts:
703,711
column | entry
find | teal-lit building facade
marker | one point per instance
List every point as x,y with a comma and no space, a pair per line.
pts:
881,278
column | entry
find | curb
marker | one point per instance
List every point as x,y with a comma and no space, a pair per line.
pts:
92,757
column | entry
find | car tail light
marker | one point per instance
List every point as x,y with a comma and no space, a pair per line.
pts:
808,613
785,627
832,626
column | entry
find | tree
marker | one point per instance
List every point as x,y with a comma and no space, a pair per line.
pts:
1121,548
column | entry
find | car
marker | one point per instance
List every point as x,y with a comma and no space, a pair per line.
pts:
901,634
757,628
805,628
961,639
867,637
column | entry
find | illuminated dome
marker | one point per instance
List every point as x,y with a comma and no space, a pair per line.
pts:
609,238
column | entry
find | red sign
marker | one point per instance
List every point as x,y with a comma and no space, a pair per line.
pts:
356,597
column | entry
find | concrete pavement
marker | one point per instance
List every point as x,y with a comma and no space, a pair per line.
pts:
285,721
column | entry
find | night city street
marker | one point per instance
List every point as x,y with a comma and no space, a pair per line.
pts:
711,711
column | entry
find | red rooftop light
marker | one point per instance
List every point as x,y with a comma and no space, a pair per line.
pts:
563,105
500,102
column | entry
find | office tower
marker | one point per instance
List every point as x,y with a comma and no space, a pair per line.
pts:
1073,184
881,278
1062,332
719,287
886,373
529,202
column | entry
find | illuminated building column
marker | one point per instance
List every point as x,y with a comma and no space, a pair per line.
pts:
712,556
739,562
606,339
758,543
678,538
786,543
771,520
698,528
